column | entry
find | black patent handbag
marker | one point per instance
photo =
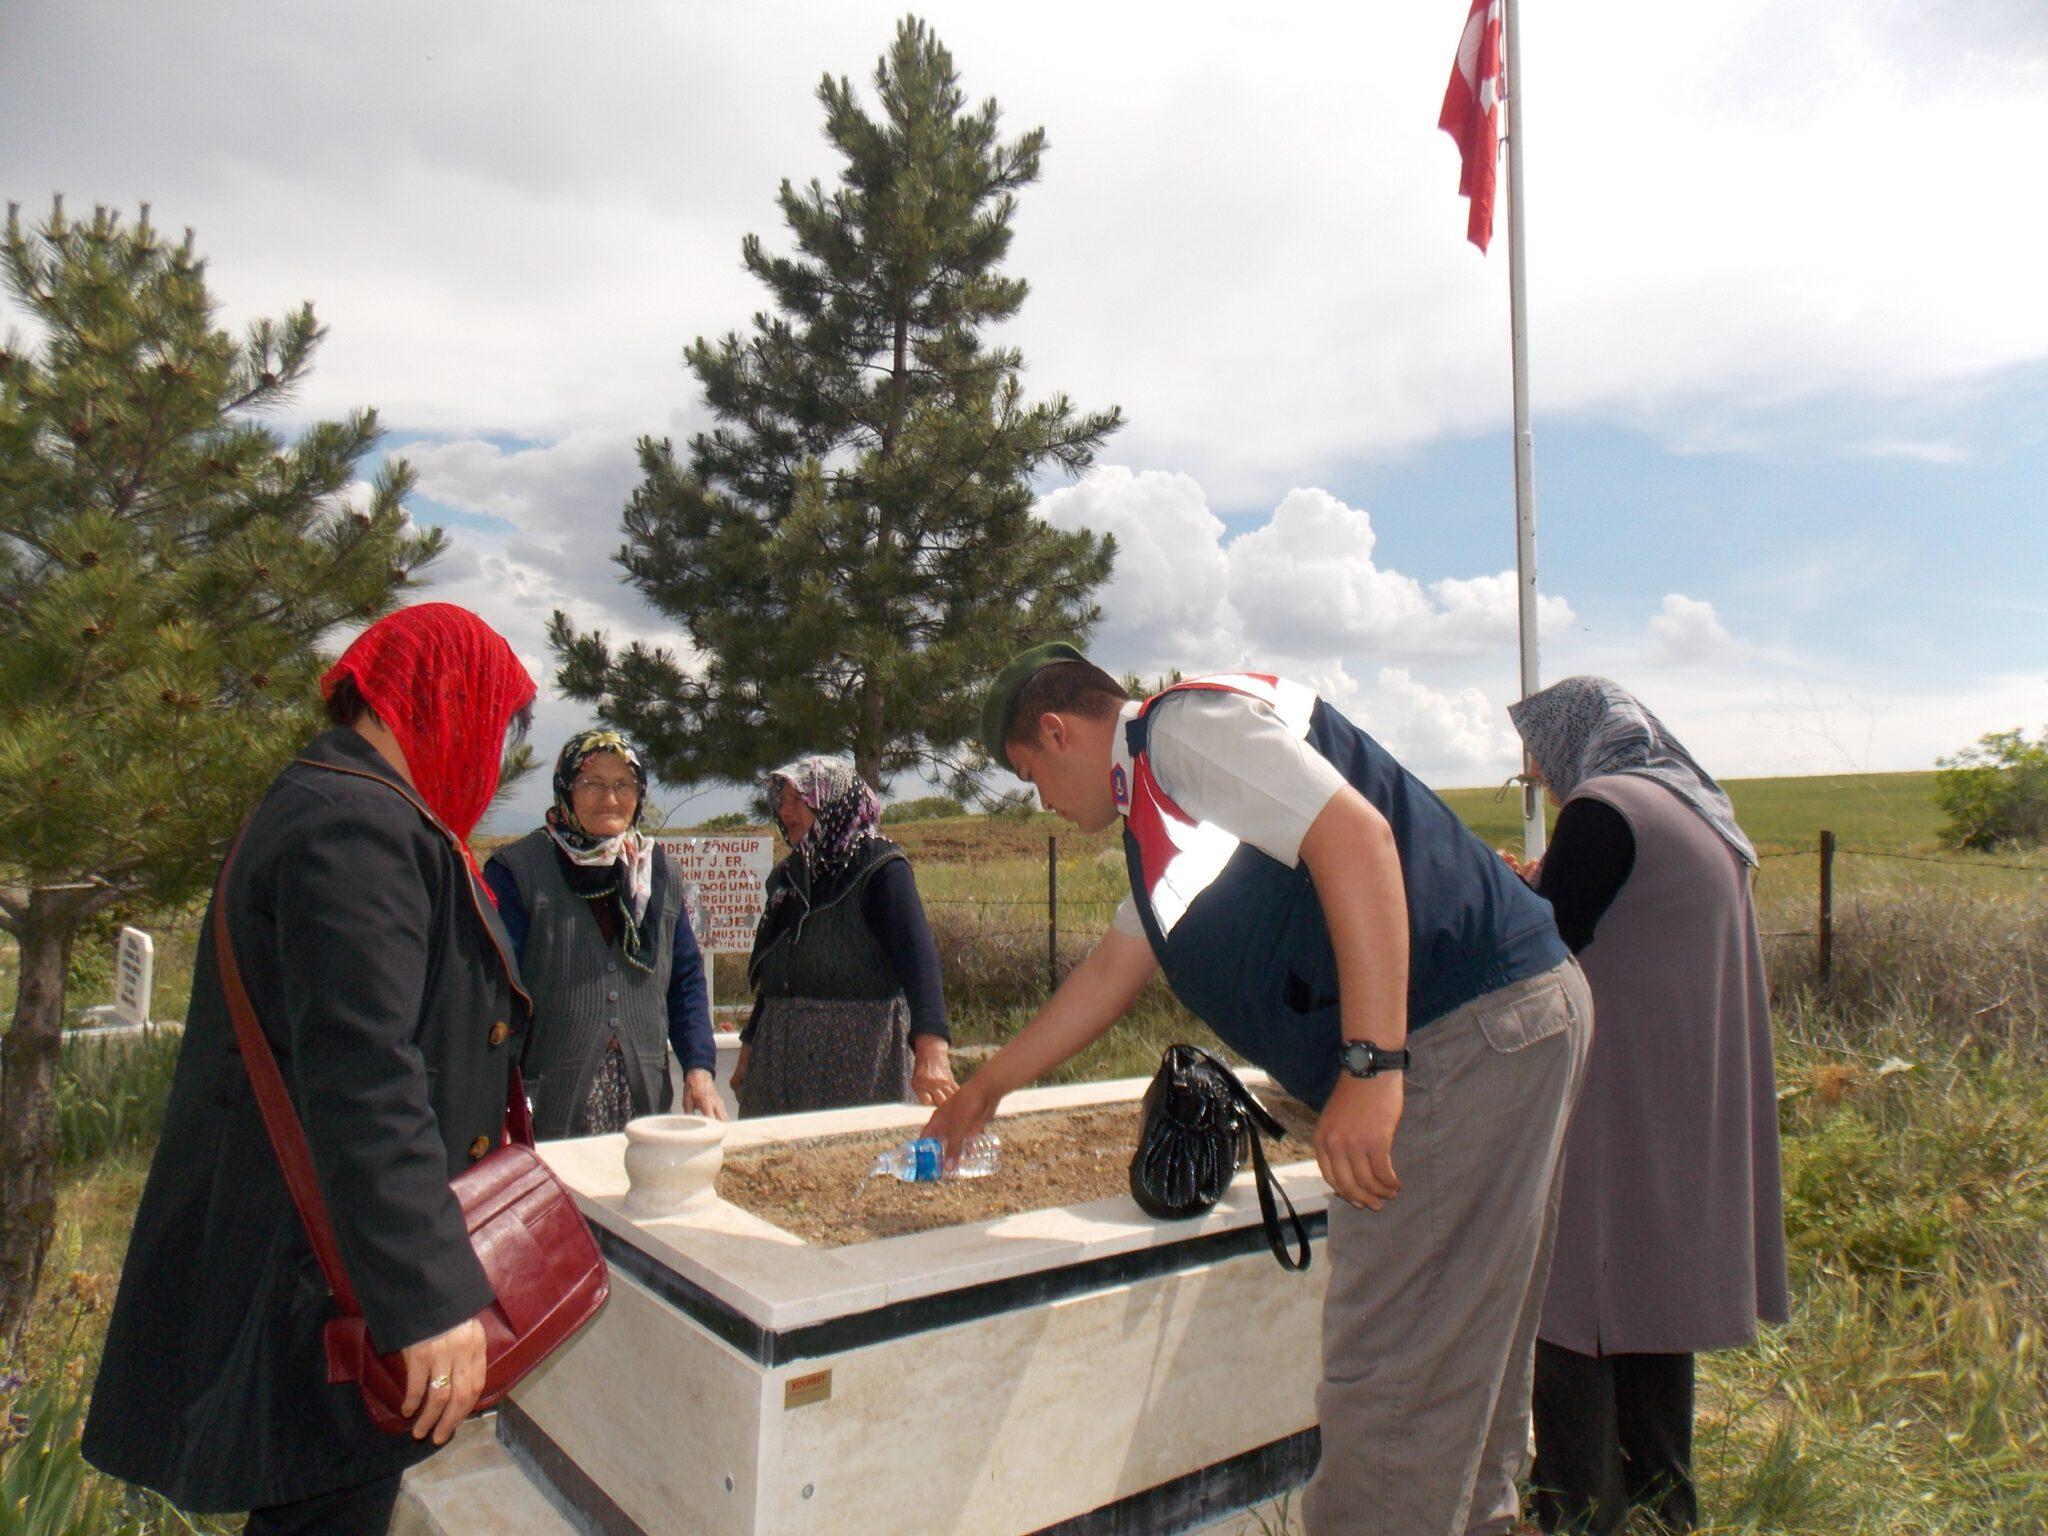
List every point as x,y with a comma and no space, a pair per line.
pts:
1197,1124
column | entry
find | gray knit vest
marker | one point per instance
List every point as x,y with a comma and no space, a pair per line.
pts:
833,953
584,992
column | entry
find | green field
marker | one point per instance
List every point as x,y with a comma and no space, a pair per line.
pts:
1877,810
1880,810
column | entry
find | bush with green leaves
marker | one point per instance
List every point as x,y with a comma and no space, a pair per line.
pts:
731,821
46,1487
111,1094
1850,1199
1995,794
925,808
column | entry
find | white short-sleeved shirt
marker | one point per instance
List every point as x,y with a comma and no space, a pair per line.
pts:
1228,759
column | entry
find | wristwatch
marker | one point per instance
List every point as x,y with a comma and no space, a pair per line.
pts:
1361,1058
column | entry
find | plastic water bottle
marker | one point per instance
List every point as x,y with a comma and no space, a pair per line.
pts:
922,1161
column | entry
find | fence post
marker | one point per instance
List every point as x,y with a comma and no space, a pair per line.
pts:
1827,906
1052,912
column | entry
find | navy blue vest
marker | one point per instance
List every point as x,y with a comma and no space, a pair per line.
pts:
1251,956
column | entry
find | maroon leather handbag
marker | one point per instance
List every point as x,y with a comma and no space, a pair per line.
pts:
547,1277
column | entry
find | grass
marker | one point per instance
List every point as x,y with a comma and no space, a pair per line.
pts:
45,1487
1884,810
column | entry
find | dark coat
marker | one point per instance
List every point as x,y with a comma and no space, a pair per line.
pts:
379,971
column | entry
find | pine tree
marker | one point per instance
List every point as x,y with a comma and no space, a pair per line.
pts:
851,548
168,566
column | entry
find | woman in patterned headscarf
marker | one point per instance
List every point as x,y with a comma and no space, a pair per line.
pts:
848,1007
1670,1236
597,916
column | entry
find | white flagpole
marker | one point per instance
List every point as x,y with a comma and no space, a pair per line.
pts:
1525,473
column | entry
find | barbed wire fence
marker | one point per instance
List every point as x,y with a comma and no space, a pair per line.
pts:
1023,919
1828,849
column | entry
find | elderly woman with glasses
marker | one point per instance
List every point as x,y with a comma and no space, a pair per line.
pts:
596,914
848,1007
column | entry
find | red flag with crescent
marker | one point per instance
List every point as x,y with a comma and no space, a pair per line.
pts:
1471,114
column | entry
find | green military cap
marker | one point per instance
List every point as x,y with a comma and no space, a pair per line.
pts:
1002,693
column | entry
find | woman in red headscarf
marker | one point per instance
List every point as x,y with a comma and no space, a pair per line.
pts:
376,965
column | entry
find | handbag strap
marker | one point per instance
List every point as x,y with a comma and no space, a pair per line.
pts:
281,1119
1271,1194
1269,1187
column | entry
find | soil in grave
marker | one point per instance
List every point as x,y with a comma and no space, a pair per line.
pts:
820,1191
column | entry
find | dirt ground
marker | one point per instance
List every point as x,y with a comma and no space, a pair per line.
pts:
820,1190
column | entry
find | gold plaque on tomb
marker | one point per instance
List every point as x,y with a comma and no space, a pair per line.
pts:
813,1388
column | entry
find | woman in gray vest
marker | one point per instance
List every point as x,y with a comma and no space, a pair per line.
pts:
1670,1237
595,911
848,1006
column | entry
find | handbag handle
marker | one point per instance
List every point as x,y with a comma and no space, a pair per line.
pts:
281,1120
1271,1193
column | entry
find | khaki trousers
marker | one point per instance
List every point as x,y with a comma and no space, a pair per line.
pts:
1429,1327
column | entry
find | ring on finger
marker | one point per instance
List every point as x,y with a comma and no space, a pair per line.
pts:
440,1383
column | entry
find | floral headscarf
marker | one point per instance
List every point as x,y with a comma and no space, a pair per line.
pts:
447,685
630,852
846,808
1587,726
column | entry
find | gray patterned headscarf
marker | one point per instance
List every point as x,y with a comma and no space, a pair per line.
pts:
1584,727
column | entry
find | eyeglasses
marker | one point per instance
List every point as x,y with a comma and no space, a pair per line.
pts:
606,789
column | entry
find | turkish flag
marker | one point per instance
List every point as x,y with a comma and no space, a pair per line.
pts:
1471,114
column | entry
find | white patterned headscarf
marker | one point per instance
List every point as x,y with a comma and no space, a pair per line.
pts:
1584,727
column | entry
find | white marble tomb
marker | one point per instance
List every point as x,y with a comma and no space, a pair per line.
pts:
1081,1368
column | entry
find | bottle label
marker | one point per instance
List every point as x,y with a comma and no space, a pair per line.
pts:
925,1159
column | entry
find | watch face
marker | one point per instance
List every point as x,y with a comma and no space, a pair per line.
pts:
1361,1058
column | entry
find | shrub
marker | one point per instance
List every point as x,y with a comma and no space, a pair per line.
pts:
1995,794
1849,1199
46,1488
731,821
928,808
111,1095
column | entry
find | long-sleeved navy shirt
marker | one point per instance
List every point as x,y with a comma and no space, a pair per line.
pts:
689,1005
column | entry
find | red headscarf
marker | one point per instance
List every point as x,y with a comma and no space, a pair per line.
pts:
447,684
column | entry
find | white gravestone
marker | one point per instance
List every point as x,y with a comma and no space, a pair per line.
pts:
134,976
724,890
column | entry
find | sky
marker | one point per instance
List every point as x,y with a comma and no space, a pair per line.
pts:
1789,344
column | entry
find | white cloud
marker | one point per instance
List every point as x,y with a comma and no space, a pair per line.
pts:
1685,632
1301,595
1303,585
1914,451
514,225
1168,601
562,502
1451,733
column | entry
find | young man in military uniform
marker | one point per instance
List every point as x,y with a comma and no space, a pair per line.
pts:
1331,919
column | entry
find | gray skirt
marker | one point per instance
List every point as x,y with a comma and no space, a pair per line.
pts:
814,1053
